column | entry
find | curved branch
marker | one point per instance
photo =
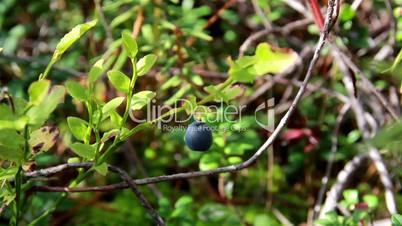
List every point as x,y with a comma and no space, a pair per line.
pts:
343,177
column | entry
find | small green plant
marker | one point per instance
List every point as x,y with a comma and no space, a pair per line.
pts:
358,211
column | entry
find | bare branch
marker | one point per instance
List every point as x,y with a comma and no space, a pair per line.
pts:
373,153
344,176
144,202
331,160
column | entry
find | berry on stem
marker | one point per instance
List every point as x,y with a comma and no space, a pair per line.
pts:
198,136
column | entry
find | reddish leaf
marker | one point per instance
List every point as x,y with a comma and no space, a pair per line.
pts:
361,206
292,134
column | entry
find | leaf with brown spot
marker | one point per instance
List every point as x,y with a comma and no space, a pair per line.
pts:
29,166
43,138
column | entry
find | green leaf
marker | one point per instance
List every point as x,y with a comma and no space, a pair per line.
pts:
353,136
232,92
213,212
39,114
210,161
273,61
6,113
234,160
140,99
115,118
178,94
11,145
264,220
8,120
202,35
129,44
43,138
214,91
71,37
371,200
11,154
78,127
73,160
172,82
83,150
389,136
109,134
96,71
182,206
102,169
351,196
241,70
397,61
112,105
76,90
347,12
121,18
145,64
396,220
237,148
15,123
119,80
183,202
6,173
37,91
359,215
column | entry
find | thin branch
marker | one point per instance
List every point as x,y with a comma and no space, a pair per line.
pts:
212,19
141,168
284,221
299,7
231,168
108,30
385,180
285,30
393,25
260,12
343,177
144,202
362,124
347,61
138,22
331,160
128,183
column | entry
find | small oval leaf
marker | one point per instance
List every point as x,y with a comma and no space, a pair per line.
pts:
83,150
129,44
119,80
112,105
78,127
76,90
145,64
141,99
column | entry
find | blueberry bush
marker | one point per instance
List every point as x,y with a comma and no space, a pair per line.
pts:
184,112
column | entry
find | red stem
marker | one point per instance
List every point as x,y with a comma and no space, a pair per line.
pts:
319,19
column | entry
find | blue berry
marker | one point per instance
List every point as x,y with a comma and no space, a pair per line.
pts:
198,136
